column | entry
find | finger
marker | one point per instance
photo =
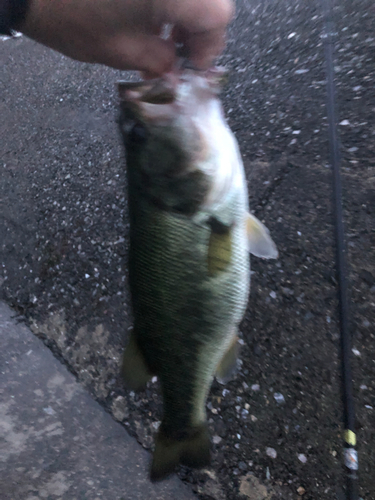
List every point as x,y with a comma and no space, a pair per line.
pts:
201,48
149,54
198,16
201,28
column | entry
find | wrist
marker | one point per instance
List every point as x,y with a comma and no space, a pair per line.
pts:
12,15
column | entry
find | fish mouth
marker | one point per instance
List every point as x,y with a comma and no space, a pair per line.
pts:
156,91
150,100
162,98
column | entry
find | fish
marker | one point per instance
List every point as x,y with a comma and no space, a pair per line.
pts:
191,234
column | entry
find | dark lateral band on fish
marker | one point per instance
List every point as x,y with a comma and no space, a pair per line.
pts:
190,237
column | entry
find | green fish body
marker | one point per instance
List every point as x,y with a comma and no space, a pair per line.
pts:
189,270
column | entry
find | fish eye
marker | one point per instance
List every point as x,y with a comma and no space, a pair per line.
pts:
138,133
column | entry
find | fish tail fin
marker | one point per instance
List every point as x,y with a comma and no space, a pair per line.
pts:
134,369
228,366
193,451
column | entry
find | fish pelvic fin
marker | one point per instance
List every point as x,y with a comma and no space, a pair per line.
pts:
259,240
134,369
193,451
228,366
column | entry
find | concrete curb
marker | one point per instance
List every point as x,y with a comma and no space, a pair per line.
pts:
56,442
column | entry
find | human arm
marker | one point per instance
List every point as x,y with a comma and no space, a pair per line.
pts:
125,34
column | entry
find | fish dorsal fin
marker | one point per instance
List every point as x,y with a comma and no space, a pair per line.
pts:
259,240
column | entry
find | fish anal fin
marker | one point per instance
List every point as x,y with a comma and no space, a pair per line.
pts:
228,366
193,451
134,369
219,247
260,242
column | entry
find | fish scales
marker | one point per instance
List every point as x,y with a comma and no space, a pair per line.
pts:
172,293
182,315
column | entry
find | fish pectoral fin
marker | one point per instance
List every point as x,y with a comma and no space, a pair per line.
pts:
193,451
259,240
228,366
134,369
219,246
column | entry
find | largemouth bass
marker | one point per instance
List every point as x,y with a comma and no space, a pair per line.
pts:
190,238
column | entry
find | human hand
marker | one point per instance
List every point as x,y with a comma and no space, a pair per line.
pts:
125,34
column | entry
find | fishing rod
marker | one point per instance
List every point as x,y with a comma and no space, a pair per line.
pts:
350,453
